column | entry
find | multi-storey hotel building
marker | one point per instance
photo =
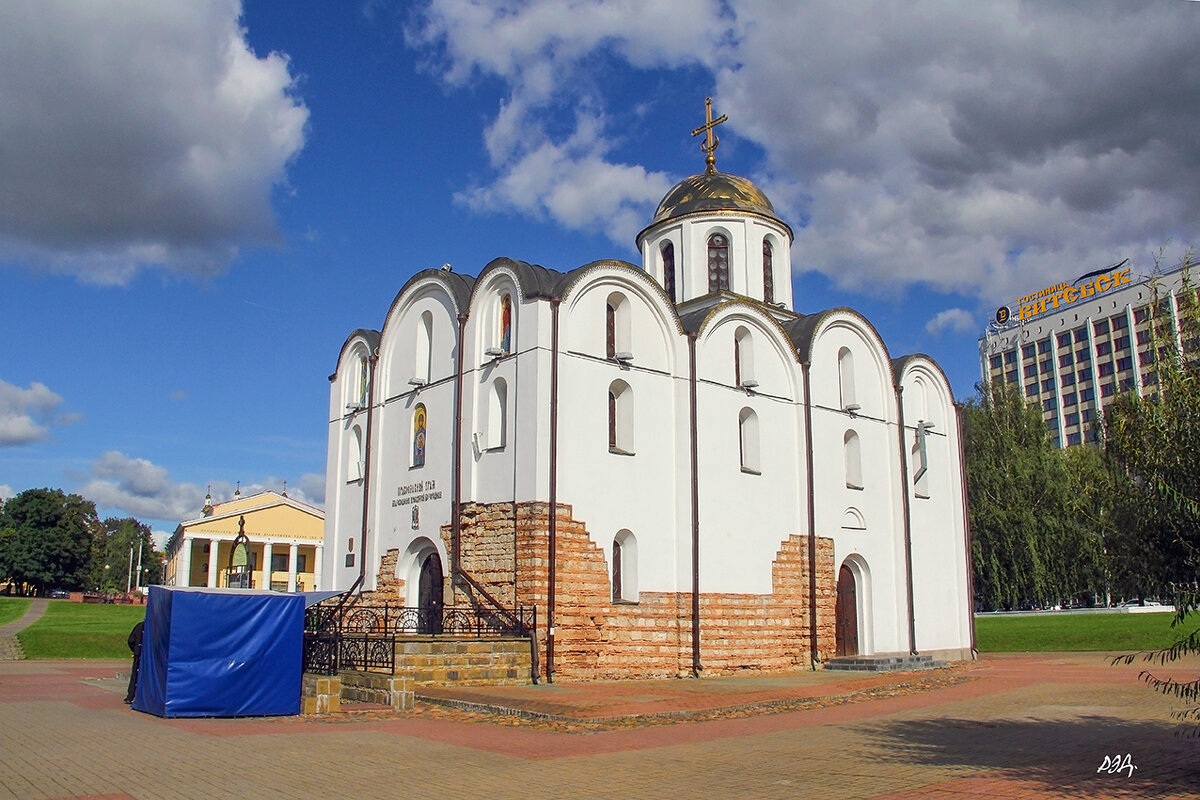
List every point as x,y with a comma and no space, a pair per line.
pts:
1073,346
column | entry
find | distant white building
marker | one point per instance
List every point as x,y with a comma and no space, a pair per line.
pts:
719,463
1072,347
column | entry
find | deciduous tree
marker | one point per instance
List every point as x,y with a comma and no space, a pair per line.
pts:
1031,543
47,539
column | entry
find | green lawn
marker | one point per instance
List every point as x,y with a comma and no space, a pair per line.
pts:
1060,632
81,630
12,608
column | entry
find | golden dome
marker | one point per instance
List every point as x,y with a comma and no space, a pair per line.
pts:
714,191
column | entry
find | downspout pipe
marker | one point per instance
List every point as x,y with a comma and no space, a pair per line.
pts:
695,463
553,523
966,510
907,506
814,649
456,501
372,360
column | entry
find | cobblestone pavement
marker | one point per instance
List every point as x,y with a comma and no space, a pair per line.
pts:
1029,726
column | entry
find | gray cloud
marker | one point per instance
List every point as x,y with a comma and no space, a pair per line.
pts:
973,147
138,134
140,488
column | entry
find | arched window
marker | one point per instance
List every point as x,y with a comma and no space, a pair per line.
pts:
768,273
743,359
497,415
846,379
853,457
616,326
748,441
506,323
668,261
610,330
362,382
418,439
354,455
718,262
624,568
424,349
620,418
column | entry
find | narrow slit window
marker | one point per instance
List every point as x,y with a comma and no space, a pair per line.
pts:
668,261
768,272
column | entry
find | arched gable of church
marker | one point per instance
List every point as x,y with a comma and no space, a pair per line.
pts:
418,340
739,345
851,369
927,393
352,374
498,302
612,308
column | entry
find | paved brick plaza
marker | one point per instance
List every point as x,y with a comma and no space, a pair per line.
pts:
1004,727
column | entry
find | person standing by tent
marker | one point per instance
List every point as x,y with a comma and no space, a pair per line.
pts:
135,645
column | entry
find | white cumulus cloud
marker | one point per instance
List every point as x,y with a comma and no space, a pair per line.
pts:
952,320
27,414
138,134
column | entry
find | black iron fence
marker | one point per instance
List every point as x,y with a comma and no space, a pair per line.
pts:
338,636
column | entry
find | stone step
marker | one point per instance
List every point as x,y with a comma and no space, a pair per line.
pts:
883,663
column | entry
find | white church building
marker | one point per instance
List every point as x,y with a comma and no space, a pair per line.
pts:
679,470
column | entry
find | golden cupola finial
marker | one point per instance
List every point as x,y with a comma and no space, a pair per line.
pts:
709,145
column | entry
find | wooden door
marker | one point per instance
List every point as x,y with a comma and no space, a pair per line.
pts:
847,613
429,596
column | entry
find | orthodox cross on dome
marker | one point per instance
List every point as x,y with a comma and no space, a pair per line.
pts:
710,141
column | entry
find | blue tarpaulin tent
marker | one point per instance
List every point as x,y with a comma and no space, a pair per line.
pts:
221,653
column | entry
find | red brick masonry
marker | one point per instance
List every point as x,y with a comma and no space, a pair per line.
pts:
505,546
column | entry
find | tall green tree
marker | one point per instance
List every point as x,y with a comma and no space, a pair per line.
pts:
123,544
1031,541
46,540
1154,442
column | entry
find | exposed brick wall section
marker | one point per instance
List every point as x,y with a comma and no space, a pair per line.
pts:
596,638
388,588
489,550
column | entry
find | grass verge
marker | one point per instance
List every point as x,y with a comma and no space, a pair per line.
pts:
13,608
81,630
1067,632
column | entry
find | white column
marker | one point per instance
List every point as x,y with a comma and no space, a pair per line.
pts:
183,563
266,566
293,551
318,564
213,551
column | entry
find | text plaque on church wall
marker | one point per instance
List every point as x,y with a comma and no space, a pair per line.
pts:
418,492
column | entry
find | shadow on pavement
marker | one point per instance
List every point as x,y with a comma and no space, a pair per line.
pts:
1077,758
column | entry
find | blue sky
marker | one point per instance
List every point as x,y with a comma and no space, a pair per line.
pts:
200,201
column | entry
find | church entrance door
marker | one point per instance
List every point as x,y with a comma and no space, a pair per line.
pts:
847,613
429,596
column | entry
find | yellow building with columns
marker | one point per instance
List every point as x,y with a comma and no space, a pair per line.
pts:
261,541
